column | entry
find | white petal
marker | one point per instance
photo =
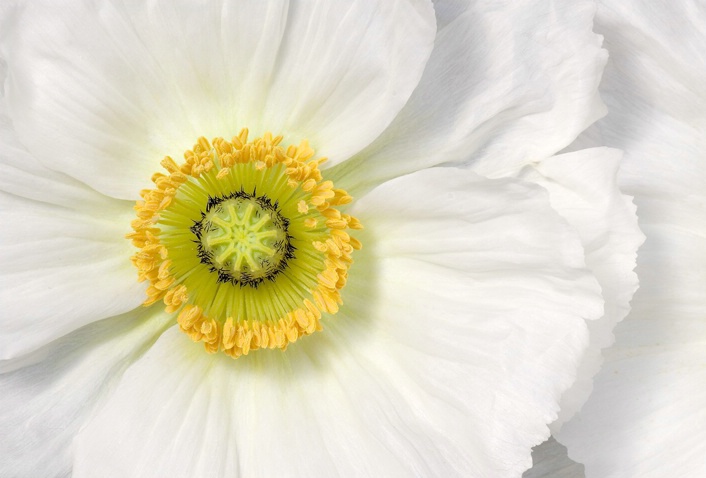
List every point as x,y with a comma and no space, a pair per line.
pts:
103,91
22,175
447,10
583,189
463,323
189,414
61,269
657,94
64,256
647,414
43,405
507,84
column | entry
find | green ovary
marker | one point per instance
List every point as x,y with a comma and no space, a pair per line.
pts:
244,238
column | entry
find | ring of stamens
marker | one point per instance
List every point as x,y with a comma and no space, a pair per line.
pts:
245,242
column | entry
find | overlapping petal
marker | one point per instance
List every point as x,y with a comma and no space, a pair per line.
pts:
507,84
47,395
63,255
583,189
60,270
646,415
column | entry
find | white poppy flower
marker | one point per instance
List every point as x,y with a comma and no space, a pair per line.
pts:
447,344
647,414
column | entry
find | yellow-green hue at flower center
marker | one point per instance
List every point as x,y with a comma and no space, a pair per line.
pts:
242,238
245,243
245,238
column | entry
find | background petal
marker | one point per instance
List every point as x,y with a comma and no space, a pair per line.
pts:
550,460
47,396
647,414
447,10
102,90
583,189
508,83
462,324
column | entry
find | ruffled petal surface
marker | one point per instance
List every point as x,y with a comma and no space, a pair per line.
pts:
102,90
48,395
647,414
508,83
583,189
463,323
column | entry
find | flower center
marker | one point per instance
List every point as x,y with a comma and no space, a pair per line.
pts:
245,243
245,238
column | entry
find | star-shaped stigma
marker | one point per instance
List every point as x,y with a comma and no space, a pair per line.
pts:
236,239
243,238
